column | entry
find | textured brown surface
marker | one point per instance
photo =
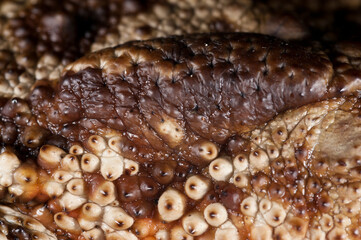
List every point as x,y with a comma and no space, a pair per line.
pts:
168,94
279,169
201,137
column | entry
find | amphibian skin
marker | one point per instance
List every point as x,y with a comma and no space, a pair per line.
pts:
220,136
297,176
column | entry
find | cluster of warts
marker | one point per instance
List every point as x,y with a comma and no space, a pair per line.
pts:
281,187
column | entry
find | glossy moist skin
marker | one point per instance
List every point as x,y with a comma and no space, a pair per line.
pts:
172,97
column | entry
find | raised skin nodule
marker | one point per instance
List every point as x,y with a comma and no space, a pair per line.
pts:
179,93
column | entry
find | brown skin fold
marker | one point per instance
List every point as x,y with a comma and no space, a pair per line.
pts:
167,95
